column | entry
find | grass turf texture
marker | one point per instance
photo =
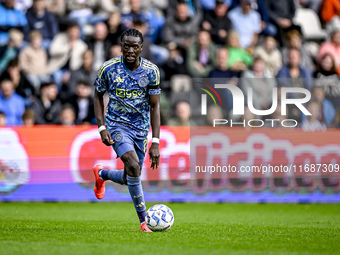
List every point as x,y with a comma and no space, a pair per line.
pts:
112,228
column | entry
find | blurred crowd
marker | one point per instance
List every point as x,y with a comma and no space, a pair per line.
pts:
50,51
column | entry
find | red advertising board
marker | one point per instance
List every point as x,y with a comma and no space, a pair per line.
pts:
54,154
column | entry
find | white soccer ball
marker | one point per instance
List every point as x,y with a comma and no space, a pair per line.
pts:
159,218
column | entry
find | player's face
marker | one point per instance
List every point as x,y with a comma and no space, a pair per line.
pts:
131,48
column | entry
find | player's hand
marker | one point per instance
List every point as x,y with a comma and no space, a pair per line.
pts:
106,138
154,155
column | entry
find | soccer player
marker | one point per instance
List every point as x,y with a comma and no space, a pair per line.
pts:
132,83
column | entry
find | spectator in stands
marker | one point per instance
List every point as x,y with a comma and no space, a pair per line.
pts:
146,52
11,50
33,60
11,104
21,84
217,23
247,23
238,59
42,20
221,70
115,28
270,54
298,75
214,112
180,29
85,73
155,23
261,82
104,8
10,18
281,14
81,12
135,12
82,103
312,122
47,107
175,63
23,5
66,53
160,6
194,8
209,5
182,117
67,116
115,51
332,48
99,44
329,12
295,42
28,118
57,7
327,108
325,68
153,52
201,56
327,77
258,5
2,119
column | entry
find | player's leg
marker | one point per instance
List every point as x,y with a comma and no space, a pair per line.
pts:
122,144
116,176
133,172
102,175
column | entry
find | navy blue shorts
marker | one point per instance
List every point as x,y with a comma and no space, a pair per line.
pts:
125,140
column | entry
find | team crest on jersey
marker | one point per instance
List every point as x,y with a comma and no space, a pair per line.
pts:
118,137
143,82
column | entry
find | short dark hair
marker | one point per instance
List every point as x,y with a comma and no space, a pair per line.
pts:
83,82
28,114
72,24
6,80
46,84
138,22
13,63
132,32
258,58
68,106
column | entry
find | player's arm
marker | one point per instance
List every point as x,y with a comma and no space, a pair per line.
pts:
155,124
99,113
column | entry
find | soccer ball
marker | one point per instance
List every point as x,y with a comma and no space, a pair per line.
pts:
159,218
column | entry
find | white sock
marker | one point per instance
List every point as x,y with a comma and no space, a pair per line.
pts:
100,175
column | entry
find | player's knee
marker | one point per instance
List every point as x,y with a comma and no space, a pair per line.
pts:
133,169
131,165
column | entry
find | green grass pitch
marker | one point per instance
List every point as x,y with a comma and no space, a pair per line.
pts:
113,228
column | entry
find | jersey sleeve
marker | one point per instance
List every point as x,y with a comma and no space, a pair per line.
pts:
101,82
154,85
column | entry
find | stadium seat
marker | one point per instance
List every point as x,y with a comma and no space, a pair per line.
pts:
310,24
